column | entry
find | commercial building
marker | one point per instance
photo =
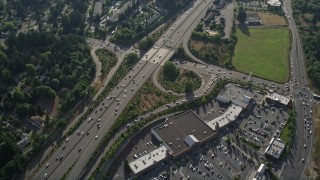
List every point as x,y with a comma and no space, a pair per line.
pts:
277,98
253,19
181,133
227,117
258,174
236,95
142,163
275,3
275,148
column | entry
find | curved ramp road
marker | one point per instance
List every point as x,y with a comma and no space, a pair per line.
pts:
75,152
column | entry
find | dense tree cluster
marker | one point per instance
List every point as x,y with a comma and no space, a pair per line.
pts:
37,66
170,71
174,5
44,65
311,39
309,10
146,43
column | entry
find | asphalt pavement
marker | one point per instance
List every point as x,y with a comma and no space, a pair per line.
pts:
301,94
75,152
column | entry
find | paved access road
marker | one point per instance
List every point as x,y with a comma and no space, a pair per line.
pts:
77,151
302,95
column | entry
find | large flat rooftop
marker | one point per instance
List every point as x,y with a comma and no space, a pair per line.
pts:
236,95
230,115
279,98
149,159
275,148
179,133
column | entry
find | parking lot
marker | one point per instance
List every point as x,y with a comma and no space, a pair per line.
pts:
216,160
238,149
263,124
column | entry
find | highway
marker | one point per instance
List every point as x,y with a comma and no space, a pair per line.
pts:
77,149
303,101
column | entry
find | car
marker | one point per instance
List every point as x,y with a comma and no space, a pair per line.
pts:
67,140
96,137
79,149
47,165
45,175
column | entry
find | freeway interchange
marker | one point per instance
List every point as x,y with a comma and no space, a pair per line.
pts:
77,149
72,156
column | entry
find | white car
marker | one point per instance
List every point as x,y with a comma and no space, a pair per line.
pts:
96,137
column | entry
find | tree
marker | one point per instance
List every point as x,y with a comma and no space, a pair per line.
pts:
146,43
199,27
2,7
180,53
31,70
170,71
242,15
6,76
23,109
188,86
131,58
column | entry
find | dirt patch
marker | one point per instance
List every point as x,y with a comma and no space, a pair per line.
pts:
198,45
270,19
54,111
306,19
97,84
211,52
148,101
313,167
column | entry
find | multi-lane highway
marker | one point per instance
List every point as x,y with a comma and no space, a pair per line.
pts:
303,101
77,149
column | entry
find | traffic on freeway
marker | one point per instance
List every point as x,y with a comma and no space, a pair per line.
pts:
77,149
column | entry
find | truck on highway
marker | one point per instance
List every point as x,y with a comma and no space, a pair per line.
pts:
316,96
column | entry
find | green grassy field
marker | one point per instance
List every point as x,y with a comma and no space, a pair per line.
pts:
264,52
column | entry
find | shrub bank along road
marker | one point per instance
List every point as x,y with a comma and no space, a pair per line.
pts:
77,151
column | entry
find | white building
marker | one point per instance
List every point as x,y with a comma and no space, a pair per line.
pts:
275,148
259,174
227,117
148,160
278,98
276,3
